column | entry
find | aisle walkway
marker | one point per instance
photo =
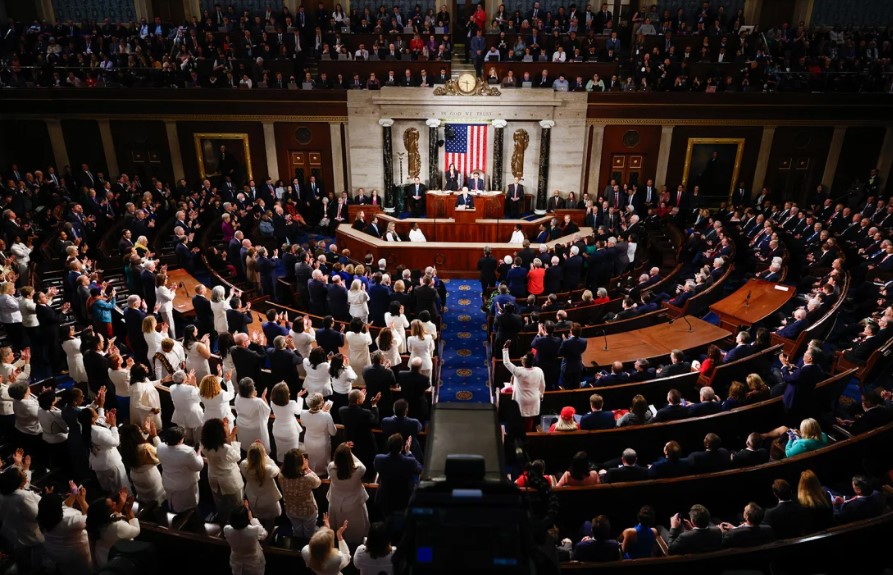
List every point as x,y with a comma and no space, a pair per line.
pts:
464,374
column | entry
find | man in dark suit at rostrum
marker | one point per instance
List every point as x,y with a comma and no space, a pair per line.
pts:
751,532
514,201
694,535
358,425
379,379
465,200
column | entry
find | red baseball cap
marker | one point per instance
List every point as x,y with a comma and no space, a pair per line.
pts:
568,412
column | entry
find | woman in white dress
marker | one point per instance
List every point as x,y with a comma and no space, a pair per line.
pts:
528,383
358,300
110,520
252,414
244,534
317,378
29,315
343,378
286,429
64,531
319,429
101,440
119,375
71,345
347,496
141,458
216,394
416,235
304,336
374,557
387,344
198,352
164,298
421,345
396,320
187,401
261,490
152,336
219,305
222,451
321,555
358,340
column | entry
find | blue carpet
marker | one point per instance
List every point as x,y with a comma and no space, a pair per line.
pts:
711,318
464,373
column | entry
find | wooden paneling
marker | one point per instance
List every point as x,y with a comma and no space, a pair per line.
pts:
26,143
861,146
143,149
797,161
84,145
308,144
637,141
187,130
752,137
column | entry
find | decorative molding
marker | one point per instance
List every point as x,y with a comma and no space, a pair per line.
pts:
432,123
182,118
547,124
723,122
499,124
386,122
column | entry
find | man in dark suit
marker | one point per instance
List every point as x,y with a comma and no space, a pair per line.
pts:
426,298
571,352
673,410
413,386
695,535
318,294
204,317
596,418
787,518
373,228
714,457
869,343
573,269
671,464
248,357
328,338
379,300
476,183
708,405
465,200
416,199
379,380
147,282
864,504
677,365
237,317
751,532
680,199
616,376
487,269
629,470
358,424
284,362
752,454
547,347
555,202
874,414
514,201
741,350
398,471
799,391
337,299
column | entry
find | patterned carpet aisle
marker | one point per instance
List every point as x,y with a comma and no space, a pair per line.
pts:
464,371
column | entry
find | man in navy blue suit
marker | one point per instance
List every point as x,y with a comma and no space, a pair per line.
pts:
792,329
571,351
465,199
864,504
799,392
398,471
596,418
615,377
742,348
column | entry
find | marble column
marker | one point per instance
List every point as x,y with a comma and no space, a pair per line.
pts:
57,142
337,159
270,149
173,143
542,183
498,136
387,163
759,174
108,148
833,157
663,156
595,160
433,163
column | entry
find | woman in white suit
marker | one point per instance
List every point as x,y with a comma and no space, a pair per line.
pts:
220,448
286,429
347,496
216,394
320,428
252,414
244,534
529,383
219,305
261,490
164,298
102,440
188,412
180,466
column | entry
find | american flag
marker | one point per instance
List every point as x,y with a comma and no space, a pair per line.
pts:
467,149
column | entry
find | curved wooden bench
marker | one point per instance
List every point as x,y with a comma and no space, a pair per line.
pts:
699,303
818,330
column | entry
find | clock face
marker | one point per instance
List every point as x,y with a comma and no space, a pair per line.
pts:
466,82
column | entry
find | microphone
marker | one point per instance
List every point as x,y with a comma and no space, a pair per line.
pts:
605,335
685,319
747,299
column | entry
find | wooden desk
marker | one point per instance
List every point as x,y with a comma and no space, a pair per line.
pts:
369,211
183,299
652,342
464,226
766,298
441,204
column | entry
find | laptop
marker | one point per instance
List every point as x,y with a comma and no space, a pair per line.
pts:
306,85
546,421
527,84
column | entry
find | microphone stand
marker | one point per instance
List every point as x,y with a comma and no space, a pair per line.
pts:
685,319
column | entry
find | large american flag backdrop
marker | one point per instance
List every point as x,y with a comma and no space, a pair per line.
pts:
467,149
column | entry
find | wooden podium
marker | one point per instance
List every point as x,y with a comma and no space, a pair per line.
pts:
442,205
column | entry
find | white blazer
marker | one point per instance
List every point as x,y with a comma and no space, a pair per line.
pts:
180,466
187,406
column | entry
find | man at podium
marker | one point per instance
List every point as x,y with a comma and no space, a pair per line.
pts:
464,201
476,183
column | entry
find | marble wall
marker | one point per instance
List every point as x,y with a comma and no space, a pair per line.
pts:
410,107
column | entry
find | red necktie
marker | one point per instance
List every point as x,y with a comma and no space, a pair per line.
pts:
678,198
374,200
